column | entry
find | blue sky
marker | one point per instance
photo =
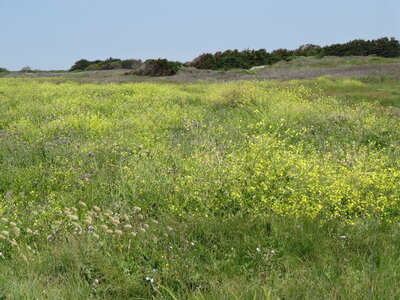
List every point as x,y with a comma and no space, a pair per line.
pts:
53,34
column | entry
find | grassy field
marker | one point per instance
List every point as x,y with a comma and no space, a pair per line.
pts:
241,190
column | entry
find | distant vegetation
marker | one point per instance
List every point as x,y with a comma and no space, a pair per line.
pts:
234,59
157,67
26,69
108,64
151,67
3,70
246,59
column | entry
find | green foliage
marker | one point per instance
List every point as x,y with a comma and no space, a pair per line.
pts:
158,67
111,64
383,47
309,50
108,64
80,65
95,67
131,63
3,70
233,59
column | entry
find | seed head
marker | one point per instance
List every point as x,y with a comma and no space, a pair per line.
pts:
16,231
96,208
75,224
115,221
81,203
13,243
136,209
118,232
24,258
73,217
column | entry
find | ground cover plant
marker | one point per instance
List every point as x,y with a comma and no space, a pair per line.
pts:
264,189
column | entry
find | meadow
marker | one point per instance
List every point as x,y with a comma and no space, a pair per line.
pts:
235,190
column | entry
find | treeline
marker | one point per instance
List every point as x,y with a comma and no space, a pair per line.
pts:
246,59
232,59
108,64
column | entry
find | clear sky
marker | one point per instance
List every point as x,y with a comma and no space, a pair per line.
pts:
53,34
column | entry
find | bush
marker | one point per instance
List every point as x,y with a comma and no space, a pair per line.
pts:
26,69
95,67
308,50
157,67
232,59
131,63
111,64
80,65
3,70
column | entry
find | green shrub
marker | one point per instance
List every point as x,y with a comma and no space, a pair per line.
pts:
26,69
158,67
232,59
80,65
3,70
111,64
292,57
95,67
131,63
